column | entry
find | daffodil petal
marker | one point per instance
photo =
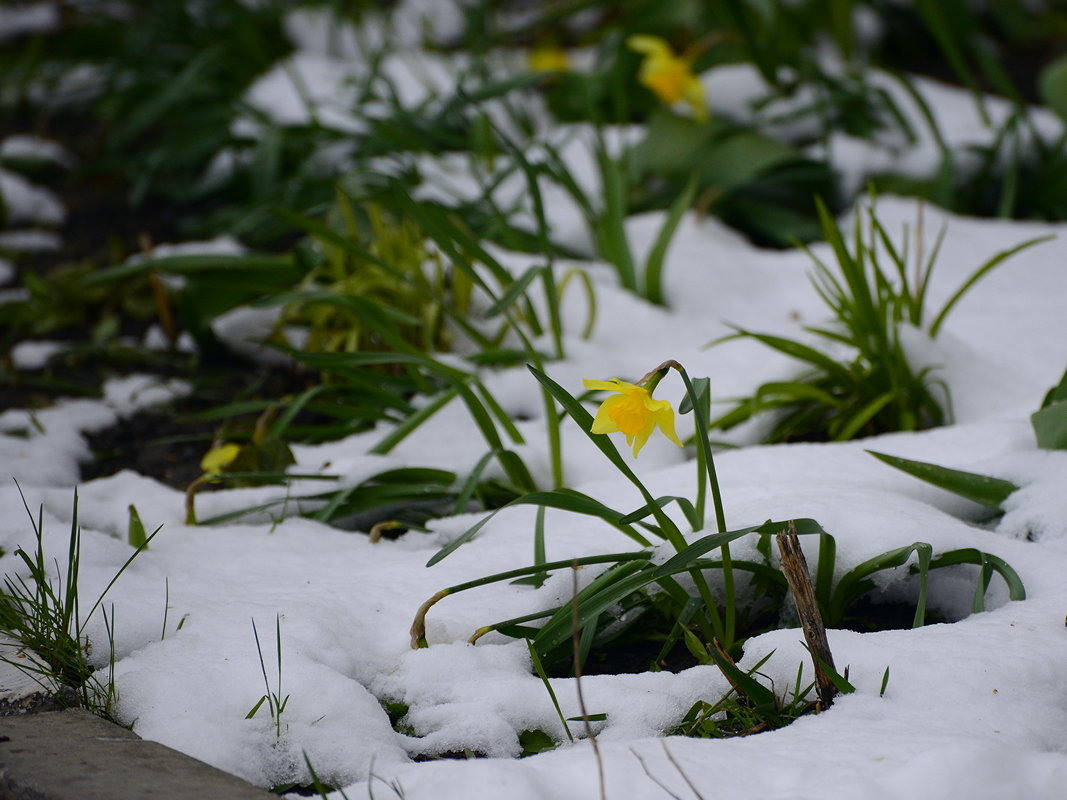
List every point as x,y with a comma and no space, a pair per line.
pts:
602,422
640,439
633,412
694,94
655,405
652,46
611,386
667,81
665,420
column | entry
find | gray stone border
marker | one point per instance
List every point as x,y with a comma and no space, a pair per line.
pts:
74,755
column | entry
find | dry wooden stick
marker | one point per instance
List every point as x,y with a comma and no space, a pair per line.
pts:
795,568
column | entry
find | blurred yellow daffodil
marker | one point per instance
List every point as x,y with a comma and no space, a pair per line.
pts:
668,75
549,59
218,458
632,412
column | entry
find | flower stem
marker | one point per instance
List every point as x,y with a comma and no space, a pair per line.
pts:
706,475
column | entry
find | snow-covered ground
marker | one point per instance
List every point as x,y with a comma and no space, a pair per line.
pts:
975,709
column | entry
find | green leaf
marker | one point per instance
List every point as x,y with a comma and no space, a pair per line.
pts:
857,581
1050,426
540,670
536,741
1052,83
989,492
256,707
515,291
1056,393
987,267
413,421
658,254
720,155
683,502
802,352
839,681
756,692
565,499
971,555
702,387
1050,422
860,417
136,536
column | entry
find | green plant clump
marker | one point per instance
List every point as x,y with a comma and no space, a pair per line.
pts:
695,592
875,388
44,616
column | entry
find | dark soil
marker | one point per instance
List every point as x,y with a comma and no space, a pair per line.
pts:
100,222
157,444
637,657
167,443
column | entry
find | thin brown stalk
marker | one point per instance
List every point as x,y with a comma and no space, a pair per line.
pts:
677,766
652,777
578,683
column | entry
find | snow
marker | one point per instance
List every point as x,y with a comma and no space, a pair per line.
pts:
27,20
31,355
29,240
976,708
26,203
35,149
345,604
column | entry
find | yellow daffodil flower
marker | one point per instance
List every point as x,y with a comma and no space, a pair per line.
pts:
218,458
668,75
549,59
633,412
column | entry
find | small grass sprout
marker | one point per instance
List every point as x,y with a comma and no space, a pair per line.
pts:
275,702
44,615
748,707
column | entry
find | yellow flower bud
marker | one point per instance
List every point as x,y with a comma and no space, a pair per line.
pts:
218,458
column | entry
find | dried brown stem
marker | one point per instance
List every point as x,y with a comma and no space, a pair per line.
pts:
668,364
795,569
418,625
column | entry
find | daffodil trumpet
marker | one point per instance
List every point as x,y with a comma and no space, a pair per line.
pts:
633,412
